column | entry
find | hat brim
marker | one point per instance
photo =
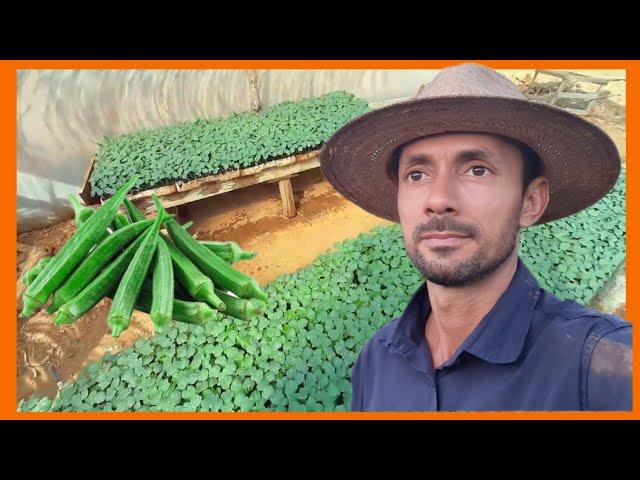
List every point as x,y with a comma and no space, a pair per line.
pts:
580,160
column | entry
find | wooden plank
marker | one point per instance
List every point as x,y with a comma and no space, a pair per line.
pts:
197,183
159,191
219,178
288,200
544,98
217,188
85,194
393,101
307,156
555,73
578,77
245,172
175,211
540,86
193,184
561,88
575,111
579,96
280,179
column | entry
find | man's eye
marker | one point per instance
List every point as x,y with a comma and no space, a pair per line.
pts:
415,176
478,171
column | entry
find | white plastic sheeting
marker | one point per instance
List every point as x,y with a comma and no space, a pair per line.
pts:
63,115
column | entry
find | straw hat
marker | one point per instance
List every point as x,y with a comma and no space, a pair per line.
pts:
579,160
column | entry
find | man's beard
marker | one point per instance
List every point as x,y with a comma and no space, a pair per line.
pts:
464,272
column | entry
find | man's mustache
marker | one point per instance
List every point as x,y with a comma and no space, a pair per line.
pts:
443,224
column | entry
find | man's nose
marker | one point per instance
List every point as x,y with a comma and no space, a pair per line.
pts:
441,195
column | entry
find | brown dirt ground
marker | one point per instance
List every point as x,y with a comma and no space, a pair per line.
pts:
48,355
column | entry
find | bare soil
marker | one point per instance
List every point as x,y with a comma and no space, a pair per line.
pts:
48,354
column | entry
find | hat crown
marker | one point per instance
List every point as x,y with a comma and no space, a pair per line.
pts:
470,80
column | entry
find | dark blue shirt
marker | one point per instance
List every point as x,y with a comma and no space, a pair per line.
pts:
532,351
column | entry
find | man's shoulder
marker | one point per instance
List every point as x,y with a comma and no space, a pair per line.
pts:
566,316
603,351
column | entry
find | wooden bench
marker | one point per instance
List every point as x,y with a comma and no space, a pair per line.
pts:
180,193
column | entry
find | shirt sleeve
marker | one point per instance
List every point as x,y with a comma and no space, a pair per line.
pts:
357,384
608,380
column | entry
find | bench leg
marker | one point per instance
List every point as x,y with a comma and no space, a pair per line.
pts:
288,200
175,211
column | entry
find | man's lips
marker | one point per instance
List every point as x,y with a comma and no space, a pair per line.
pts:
440,235
444,239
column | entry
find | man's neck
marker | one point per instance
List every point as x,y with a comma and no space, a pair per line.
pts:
456,311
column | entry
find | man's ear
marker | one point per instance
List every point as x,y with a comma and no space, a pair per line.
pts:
535,201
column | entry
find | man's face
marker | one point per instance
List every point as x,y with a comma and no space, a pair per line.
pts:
459,202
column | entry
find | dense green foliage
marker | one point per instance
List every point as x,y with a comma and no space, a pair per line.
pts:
299,354
207,147
574,256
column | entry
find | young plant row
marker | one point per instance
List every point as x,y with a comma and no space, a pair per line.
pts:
205,147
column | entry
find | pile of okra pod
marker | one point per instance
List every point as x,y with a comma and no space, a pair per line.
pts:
128,259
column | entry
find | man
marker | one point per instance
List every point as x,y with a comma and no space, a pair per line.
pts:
462,168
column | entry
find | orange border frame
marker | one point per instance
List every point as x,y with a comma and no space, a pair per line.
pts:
8,135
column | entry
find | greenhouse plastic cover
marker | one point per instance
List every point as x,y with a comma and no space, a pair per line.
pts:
64,114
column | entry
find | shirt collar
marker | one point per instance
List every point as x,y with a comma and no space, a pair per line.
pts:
498,338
